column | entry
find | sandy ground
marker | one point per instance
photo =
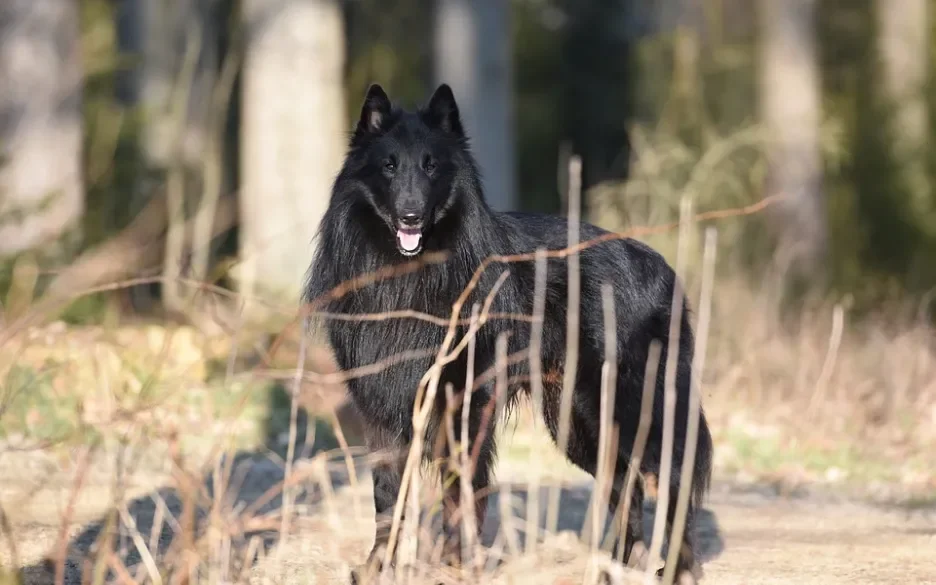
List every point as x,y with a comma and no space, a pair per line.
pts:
747,535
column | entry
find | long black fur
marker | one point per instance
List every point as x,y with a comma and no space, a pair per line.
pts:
421,161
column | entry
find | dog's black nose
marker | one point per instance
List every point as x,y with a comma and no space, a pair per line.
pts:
411,219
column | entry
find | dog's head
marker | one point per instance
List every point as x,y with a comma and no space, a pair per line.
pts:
407,163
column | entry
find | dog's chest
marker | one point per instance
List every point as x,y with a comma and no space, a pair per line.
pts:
389,319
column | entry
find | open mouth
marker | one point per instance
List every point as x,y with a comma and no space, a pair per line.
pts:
409,241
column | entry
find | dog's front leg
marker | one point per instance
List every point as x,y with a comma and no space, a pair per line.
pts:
476,459
387,476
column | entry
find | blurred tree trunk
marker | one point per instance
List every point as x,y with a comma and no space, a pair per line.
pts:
41,189
790,101
160,37
903,50
175,48
473,55
598,89
294,136
180,69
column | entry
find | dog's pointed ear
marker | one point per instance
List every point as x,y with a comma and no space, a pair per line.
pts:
375,111
443,111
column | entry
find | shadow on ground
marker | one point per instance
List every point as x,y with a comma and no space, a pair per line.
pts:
573,513
254,482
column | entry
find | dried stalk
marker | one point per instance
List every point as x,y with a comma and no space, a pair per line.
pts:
828,365
570,367
669,398
291,446
607,438
536,391
467,467
695,406
651,369
145,555
84,464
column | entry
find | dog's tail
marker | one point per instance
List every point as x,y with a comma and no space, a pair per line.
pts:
702,470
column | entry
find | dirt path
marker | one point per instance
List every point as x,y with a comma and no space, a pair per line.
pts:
777,540
746,536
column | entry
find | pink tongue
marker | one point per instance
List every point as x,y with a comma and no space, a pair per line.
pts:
409,240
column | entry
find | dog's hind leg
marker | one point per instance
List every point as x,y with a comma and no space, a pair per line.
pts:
582,451
687,569
632,549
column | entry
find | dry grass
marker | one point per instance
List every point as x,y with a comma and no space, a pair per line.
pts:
828,401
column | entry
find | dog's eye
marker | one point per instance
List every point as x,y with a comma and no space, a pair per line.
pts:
389,166
429,165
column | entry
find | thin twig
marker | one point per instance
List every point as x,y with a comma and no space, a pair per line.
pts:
148,561
291,447
536,389
53,303
651,368
466,473
570,367
695,397
610,236
828,365
496,401
507,521
84,464
348,459
669,399
412,314
604,475
344,376
123,575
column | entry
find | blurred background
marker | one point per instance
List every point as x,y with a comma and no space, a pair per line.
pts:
229,119
164,165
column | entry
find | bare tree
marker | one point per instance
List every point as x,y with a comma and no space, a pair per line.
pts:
294,134
41,191
903,50
790,103
473,55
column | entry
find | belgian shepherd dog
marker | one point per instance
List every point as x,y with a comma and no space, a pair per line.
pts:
409,186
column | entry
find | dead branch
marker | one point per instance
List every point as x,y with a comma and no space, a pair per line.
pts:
136,249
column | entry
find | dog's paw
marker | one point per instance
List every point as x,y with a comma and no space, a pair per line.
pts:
366,573
684,576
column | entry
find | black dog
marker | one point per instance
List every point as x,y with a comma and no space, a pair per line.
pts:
409,186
